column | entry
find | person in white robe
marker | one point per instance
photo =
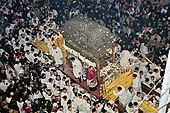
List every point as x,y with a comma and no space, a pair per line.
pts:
84,102
4,84
136,63
80,103
69,89
29,56
125,55
53,77
142,76
98,107
64,103
56,91
20,104
7,30
130,108
117,48
60,110
75,102
77,67
9,98
122,94
27,47
108,108
62,82
47,95
22,31
149,74
144,48
87,106
65,93
17,67
137,97
130,93
154,99
142,65
57,55
50,83
136,83
69,110
37,95
44,80
156,74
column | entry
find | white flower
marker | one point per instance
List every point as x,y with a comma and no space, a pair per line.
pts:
82,58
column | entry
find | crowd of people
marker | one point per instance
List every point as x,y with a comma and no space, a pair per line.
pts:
30,80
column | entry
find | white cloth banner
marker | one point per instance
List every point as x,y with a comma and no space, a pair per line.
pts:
165,88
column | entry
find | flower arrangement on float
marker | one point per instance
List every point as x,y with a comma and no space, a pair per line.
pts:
81,57
110,72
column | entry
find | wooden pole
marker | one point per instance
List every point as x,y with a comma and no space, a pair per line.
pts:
98,69
98,74
113,54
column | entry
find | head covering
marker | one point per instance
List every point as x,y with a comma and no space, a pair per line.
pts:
164,56
11,93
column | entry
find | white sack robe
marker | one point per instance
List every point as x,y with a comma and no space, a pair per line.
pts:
37,96
137,84
59,111
8,100
20,105
109,109
4,85
80,104
47,97
123,97
130,110
87,107
125,55
143,49
58,55
75,103
64,104
137,99
17,68
84,105
99,108
77,68
130,96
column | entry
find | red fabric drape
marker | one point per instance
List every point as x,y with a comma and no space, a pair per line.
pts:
93,73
